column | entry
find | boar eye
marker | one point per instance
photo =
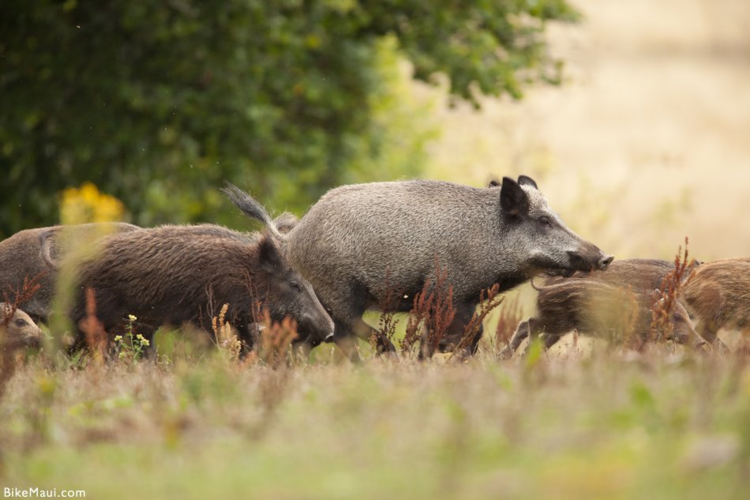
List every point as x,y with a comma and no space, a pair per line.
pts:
544,221
20,323
296,286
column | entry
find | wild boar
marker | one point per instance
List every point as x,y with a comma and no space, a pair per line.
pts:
717,296
359,242
21,258
184,274
17,329
599,308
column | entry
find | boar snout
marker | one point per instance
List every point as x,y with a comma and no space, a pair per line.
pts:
605,261
35,342
590,260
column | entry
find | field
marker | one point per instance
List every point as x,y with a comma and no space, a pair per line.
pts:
645,143
661,424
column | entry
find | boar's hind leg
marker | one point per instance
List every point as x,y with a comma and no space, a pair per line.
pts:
348,304
532,328
522,331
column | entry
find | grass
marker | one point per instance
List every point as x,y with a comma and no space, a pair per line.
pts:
656,425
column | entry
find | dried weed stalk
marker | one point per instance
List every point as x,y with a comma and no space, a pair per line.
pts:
226,338
274,340
489,300
432,313
25,293
386,331
97,340
665,299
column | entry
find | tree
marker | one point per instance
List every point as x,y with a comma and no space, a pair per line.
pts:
160,102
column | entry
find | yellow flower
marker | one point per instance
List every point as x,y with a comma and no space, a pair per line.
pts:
88,204
132,318
118,338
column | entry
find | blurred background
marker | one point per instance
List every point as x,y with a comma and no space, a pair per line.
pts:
634,117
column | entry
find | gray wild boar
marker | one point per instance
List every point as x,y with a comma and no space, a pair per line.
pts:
21,257
17,329
359,240
185,274
717,296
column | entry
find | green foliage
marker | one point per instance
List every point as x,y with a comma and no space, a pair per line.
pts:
158,103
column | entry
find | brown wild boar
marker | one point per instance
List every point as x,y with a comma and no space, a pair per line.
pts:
717,296
185,274
597,308
17,329
21,258
640,274
612,303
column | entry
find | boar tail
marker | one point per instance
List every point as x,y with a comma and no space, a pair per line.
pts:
251,208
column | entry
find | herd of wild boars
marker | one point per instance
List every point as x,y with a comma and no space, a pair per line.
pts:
360,242
350,252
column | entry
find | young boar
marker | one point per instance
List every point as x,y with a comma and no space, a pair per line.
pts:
21,258
718,296
595,307
599,302
179,274
17,329
360,240
640,274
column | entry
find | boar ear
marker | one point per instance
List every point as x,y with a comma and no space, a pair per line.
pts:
513,199
269,256
528,181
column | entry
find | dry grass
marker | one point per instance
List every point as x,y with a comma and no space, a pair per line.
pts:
609,427
431,315
666,297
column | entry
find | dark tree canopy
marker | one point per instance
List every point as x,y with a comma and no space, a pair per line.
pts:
159,102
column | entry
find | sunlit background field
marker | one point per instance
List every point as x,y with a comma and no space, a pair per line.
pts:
647,141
